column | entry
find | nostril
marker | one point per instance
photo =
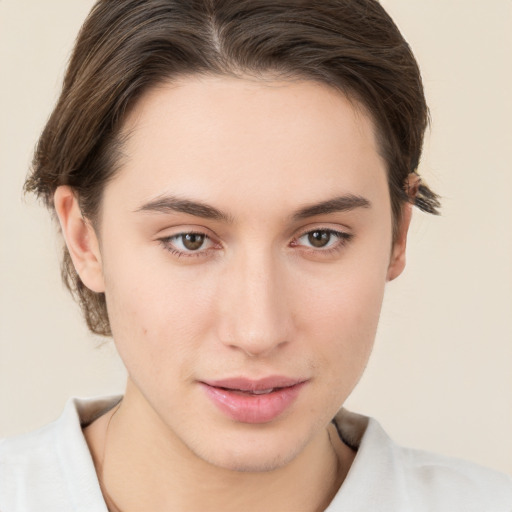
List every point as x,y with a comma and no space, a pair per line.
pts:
261,348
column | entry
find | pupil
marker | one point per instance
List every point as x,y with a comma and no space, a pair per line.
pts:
193,241
319,238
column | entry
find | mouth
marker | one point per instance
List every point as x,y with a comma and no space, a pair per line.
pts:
253,392
254,401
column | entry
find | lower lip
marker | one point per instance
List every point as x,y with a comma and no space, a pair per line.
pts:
247,408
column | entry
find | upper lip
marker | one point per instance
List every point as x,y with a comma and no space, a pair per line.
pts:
245,384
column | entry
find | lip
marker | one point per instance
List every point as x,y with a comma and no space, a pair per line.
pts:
234,397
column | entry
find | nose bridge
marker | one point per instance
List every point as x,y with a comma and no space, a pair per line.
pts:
255,312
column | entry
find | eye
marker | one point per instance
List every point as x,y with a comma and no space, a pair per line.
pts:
187,243
323,239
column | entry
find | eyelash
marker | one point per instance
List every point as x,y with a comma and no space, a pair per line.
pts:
167,244
343,239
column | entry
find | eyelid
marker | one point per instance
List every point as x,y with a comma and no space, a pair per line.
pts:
343,237
166,242
337,229
184,229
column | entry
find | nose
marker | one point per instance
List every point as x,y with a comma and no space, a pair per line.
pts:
255,316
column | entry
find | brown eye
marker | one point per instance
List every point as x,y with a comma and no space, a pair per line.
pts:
324,240
319,238
188,244
192,241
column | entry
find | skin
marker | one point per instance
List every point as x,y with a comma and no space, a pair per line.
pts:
257,299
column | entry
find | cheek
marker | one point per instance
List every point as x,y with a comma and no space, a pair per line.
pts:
158,316
347,315
342,315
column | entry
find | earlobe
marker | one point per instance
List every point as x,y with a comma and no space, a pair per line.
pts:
81,239
398,254
397,261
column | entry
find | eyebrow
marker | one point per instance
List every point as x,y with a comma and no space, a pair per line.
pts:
173,204
338,204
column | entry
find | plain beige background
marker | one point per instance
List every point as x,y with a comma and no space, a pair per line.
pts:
440,377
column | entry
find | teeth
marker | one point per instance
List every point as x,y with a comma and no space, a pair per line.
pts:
262,391
252,391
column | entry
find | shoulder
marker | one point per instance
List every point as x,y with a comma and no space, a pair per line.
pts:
389,477
447,483
51,468
24,461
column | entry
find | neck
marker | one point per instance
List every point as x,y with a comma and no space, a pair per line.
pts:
143,466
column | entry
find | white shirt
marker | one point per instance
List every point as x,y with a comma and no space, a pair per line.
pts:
51,470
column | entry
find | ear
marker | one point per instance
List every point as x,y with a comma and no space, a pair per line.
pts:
81,239
397,261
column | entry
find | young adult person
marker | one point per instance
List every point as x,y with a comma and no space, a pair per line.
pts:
234,181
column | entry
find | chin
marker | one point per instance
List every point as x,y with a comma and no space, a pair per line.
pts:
250,462
251,455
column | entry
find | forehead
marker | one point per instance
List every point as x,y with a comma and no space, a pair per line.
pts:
243,142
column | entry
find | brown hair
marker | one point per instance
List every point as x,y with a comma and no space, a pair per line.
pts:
127,46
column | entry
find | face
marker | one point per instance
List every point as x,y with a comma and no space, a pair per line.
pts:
244,248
